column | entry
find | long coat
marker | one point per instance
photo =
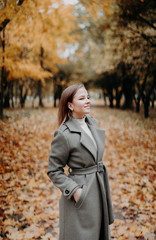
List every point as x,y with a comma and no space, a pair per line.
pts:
89,218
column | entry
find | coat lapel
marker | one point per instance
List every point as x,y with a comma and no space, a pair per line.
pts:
85,140
99,136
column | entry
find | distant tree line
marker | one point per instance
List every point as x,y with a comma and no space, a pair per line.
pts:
122,82
134,79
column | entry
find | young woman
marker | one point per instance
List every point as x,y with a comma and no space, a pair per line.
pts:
85,204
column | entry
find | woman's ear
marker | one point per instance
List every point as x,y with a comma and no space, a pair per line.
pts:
70,106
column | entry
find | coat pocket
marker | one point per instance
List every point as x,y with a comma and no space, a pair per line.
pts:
79,203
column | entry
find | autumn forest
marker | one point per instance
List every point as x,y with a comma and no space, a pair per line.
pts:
110,47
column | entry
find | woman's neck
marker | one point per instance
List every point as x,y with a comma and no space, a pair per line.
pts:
77,117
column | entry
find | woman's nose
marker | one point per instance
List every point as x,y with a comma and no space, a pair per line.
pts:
88,100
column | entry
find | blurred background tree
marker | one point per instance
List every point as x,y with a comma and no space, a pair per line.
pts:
32,40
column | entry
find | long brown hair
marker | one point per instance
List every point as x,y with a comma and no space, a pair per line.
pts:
67,96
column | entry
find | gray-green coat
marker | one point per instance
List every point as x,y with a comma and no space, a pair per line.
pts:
89,218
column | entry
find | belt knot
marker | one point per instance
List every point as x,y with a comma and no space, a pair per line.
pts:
100,167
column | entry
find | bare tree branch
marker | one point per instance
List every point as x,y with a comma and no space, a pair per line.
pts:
146,21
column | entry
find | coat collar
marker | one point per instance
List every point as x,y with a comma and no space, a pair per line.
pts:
73,125
85,140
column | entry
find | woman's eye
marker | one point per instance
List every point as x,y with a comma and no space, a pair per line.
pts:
81,98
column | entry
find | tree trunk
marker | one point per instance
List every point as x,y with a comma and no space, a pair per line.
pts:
118,98
40,93
111,100
146,102
128,93
137,102
7,89
153,103
12,94
16,91
153,98
146,108
55,91
138,106
22,97
2,75
55,98
39,82
6,103
104,98
2,92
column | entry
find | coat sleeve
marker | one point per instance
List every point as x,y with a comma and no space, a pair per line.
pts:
58,157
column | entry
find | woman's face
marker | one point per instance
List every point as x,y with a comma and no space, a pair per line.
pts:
80,104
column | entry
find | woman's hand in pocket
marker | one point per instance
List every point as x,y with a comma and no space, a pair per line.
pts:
77,194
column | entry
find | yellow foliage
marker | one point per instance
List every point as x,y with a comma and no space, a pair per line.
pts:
37,25
9,11
95,7
23,70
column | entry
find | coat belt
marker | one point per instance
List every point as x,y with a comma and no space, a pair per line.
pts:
106,196
99,167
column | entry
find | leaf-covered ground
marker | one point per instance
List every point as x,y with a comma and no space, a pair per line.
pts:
28,199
